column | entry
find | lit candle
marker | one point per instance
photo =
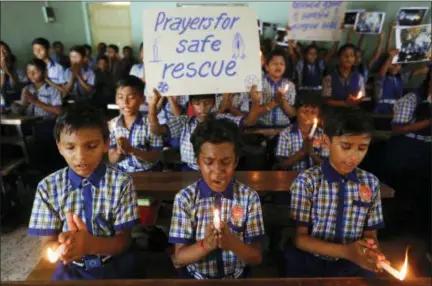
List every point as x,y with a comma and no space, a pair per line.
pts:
216,219
286,88
397,274
311,134
53,256
359,95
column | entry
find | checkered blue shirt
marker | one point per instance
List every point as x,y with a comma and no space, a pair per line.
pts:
139,136
182,127
404,109
193,210
240,101
166,114
276,116
105,201
332,206
56,73
291,141
46,94
87,75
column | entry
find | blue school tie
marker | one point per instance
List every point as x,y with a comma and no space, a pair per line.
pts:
88,204
219,258
312,69
340,211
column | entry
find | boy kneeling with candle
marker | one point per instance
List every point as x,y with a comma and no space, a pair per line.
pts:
337,206
216,247
86,209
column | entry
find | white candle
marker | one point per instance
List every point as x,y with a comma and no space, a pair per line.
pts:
312,132
359,95
216,219
53,256
286,88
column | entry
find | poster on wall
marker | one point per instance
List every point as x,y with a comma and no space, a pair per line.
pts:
412,16
414,44
281,37
201,50
316,20
350,17
369,22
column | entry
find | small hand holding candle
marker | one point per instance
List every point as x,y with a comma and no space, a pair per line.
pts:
314,127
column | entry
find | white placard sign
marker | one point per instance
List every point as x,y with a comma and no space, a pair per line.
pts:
316,20
201,50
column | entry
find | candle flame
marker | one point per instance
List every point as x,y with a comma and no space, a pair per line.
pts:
286,87
216,218
359,95
52,256
404,270
315,121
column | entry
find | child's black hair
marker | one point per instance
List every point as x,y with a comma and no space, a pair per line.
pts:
345,47
114,47
103,57
88,47
39,64
57,43
339,121
131,81
216,131
309,98
127,48
202,96
78,116
310,47
80,50
41,41
278,52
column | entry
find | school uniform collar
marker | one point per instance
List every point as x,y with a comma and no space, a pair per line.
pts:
94,179
332,176
206,192
138,120
272,82
294,128
51,63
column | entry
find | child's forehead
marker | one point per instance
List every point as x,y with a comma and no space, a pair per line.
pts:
363,138
130,90
83,134
220,149
277,58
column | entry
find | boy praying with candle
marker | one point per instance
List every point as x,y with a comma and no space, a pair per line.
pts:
217,221
337,206
87,208
300,145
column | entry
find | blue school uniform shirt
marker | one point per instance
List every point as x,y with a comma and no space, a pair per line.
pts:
240,101
311,76
338,88
106,202
291,141
336,208
56,73
46,94
87,75
276,116
166,114
139,136
193,208
363,70
181,127
388,89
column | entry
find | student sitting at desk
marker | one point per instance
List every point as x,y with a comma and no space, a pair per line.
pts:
181,127
337,206
133,147
204,250
87,207
295,149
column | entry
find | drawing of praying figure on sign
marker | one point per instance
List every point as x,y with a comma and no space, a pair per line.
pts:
201,50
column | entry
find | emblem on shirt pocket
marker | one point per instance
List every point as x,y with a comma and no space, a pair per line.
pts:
365,193
316,143
236,214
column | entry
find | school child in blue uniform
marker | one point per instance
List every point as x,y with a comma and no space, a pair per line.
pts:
342,86
203,251
310,70
88,207
337,206
12,78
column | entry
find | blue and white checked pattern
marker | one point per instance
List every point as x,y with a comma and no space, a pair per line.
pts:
327,85
404,108
276,117
139,136
240,101
87,75
193,210
114,203
182,127
56,73
315,198
291,141
166,114
46,94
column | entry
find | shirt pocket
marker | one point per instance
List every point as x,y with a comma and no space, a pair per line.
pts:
360,210
103,225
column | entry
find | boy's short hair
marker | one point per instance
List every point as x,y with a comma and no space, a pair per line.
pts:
80,115
114,47
275,53
202,96
57,43
88,47
78,49
39,64
131,81
103,57
345,47
127,48
340,121
216,131
41,41
103,44
309,98
310,47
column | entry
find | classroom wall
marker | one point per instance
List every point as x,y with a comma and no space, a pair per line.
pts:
21,22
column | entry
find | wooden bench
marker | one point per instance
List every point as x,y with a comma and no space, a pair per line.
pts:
43,271
162,185
238,282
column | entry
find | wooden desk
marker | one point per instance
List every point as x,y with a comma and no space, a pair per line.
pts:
239,282
163,184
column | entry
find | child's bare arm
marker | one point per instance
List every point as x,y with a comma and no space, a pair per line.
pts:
377,51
